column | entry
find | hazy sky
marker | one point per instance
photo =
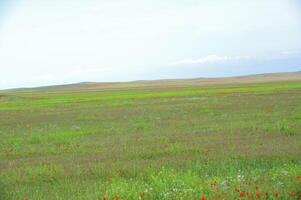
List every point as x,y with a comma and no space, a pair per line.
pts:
44,42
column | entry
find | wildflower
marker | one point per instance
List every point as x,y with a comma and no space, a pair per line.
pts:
203,198
292,193
242,194
257,196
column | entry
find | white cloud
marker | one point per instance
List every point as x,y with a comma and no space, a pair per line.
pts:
295,52
211,59
206,59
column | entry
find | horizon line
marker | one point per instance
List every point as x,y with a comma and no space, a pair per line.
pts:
145,80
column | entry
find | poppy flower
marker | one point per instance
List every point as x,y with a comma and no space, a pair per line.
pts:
242,194
292,193
257,196
203,198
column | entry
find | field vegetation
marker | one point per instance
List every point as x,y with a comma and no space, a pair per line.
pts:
152,140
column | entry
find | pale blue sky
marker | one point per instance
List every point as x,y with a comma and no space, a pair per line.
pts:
45,42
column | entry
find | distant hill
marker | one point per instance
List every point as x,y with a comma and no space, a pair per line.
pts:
266,77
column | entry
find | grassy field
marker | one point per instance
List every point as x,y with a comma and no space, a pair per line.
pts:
153,140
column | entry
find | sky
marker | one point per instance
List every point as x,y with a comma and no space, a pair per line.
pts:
47,42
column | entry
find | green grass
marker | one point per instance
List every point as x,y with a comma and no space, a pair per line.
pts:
152,142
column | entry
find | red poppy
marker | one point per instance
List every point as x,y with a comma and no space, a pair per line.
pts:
257,196
242,194
292,193
203,198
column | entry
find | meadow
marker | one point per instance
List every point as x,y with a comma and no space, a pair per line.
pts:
152,140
